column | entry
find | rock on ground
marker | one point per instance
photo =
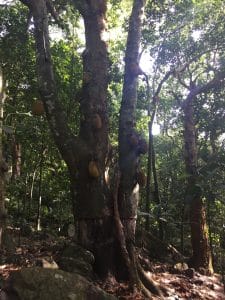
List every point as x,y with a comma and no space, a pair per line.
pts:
50,284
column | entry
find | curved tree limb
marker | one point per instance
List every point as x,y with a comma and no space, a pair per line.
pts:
63,136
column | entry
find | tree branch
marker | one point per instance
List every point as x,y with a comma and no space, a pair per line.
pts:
182,82
213,83
81,6
29,16
51,9
26,2
63,136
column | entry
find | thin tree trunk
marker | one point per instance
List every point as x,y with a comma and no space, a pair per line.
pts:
25,194
149,177
182,230
149,164
3,166
31,191
201,256
211,198
128,140
156,195
209,221
152,114
16,158
39,201
40,186
131,146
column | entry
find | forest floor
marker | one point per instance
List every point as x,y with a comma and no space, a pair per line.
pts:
176,285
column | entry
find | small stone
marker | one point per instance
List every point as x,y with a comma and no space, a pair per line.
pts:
72,296
202,271
198,282
211,286
190,272
181,267
46,263
71,230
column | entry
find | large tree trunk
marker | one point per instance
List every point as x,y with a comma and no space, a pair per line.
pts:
93,207
85,154
199,233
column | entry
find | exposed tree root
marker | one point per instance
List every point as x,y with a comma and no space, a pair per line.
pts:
145,291
121,236
138,278
148,282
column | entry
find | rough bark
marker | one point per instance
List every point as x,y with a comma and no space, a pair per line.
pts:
199,232
93,109
201,256
86,153
63,137
137,275
93,206
121,235
130,149
128,139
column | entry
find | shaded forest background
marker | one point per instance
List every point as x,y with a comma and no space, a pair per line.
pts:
182,54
